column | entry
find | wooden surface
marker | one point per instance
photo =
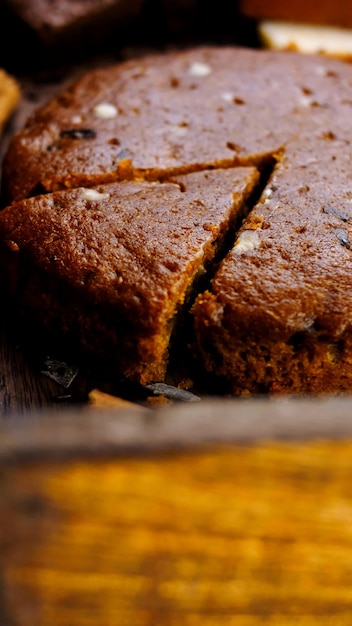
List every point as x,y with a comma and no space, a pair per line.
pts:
210,513
22,386
242,535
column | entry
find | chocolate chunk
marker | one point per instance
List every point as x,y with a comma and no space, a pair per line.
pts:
343,238
78,133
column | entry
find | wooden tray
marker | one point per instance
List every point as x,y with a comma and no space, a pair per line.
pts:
230,512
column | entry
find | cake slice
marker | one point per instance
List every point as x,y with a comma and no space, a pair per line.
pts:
278,315
110,268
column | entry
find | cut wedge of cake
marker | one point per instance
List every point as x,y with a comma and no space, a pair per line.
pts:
110,268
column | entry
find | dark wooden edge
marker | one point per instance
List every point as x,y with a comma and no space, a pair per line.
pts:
195,426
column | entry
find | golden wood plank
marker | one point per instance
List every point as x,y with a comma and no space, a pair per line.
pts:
244,535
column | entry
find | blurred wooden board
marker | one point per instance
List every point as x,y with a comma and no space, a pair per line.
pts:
234,513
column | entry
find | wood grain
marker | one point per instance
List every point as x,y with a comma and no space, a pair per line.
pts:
22,387
238,535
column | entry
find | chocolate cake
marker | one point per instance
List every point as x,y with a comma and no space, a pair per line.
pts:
130,184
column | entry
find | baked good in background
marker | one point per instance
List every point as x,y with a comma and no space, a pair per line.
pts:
332,41
309,27
69,22
10,98
10,94
322,12
60,31
56,34
272,312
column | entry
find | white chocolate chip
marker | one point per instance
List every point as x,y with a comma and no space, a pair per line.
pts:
247,241
306,160
76,119
267,193
199,69
320,70
227,96
179,130
93,194
305,101
105,111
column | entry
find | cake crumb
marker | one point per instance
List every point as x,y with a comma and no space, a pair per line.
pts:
93,194
247,241
101,400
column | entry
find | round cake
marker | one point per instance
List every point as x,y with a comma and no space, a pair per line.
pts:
211,184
